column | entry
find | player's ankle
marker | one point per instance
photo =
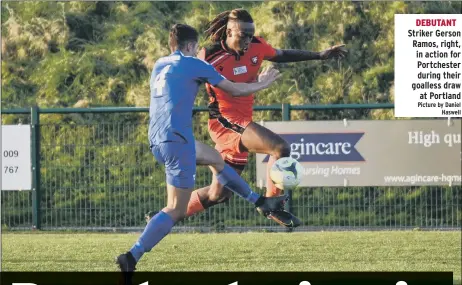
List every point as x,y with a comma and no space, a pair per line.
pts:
260,201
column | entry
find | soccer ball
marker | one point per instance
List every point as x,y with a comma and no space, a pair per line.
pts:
286,173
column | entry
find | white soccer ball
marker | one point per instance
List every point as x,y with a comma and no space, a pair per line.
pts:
286,173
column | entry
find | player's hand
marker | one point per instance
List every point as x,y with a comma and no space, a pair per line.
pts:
337,51
269,75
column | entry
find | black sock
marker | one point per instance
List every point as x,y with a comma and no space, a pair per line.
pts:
260,201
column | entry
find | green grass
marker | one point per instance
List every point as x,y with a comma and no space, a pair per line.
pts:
314,251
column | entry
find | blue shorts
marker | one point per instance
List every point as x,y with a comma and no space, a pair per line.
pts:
179,159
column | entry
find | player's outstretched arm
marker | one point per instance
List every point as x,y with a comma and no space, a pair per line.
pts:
294,55
265,79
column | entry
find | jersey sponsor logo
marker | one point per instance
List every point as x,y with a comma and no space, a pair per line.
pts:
240,70
254,60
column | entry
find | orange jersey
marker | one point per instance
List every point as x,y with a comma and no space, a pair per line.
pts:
236,68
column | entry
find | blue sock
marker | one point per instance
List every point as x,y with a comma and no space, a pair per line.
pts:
157,228
229,178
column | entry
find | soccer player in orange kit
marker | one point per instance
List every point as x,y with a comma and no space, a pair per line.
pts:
237,54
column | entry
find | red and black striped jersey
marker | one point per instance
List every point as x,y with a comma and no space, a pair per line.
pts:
237,68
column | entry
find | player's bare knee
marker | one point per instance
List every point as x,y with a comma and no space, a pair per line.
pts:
281,149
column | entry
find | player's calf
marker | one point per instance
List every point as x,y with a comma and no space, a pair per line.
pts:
258,139
205,198
218,198
281,149
216,194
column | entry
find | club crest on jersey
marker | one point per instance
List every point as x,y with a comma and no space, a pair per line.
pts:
254,60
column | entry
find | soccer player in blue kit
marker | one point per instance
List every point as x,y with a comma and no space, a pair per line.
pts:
174,85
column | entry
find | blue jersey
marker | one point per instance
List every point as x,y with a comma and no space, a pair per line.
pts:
174,83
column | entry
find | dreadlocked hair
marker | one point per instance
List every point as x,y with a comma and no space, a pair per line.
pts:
217,27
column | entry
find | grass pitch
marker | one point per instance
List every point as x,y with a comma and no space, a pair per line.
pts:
313,251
